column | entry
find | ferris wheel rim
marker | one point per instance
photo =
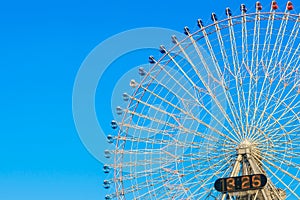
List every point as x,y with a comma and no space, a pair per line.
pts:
169,51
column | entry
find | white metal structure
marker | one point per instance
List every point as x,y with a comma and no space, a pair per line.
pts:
222,102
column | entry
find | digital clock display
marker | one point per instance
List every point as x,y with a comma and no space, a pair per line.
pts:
241,183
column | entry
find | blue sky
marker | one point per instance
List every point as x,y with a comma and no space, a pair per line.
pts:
42,46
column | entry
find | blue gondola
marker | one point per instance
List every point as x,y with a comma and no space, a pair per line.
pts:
151,60
110,139
214,17
228,12
243,8
162,49
200,23
186,30
106,169
106,184
114,124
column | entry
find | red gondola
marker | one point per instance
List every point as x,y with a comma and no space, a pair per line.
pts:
258,6
274,5
289,5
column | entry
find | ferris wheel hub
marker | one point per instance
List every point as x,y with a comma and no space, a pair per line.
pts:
245,147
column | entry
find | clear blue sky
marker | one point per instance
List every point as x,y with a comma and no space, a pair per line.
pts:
42,45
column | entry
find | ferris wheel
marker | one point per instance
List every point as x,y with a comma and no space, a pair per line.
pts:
216,117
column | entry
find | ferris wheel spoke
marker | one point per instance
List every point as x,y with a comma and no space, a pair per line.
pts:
144,163
254,73
290,133
249,70
203,107
267,105
277,127
218,80
278,103
204,162
206,170
255,44
172,127
286,134
215,61
142,128
294,72
197,174
236,113
160,160
283,164
293,76
289,152
282,170
201,57
170,90
193,97
281,128
293,58
283,117
245,42
174,79
289,68
288,49
234,53
276,156
281,181
190,169
170,180
205,181
293,61
144,185
156,180
142,174
282,98
264,59
155,189
290,124
186,113
278,45
212,95
268,36
172,141
288,108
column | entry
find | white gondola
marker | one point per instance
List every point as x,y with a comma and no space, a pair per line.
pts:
125,97
142,71
119,110
107,154
133,83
